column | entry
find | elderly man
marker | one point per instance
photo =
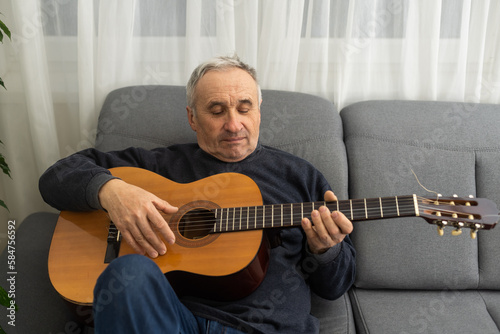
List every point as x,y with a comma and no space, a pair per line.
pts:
224,100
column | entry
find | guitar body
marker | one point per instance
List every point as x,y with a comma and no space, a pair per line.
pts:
219,266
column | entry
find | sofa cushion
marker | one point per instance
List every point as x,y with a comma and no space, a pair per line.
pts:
453,148
430,312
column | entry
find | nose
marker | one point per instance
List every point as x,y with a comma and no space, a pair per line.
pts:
233,121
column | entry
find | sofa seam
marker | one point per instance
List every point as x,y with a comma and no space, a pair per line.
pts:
360,311
349,314
424,145
479,291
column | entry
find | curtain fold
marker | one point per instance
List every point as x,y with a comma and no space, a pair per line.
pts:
66,55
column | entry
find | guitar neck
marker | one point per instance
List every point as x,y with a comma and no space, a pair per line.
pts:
288,215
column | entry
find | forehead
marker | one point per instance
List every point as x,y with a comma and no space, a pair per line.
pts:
227,83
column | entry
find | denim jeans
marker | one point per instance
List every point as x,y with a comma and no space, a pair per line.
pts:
133,296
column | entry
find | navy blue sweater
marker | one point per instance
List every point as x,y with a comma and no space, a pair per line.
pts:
281,304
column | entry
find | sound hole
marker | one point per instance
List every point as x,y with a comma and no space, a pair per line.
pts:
196,224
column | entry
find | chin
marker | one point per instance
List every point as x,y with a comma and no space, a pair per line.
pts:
233,156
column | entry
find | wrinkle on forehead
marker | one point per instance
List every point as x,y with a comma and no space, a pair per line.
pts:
230,86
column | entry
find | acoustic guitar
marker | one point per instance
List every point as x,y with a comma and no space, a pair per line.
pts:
219,233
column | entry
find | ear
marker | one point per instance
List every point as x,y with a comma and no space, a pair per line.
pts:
191,118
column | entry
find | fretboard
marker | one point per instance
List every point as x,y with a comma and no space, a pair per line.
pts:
288,215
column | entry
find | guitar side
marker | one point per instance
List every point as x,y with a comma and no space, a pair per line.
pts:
218,266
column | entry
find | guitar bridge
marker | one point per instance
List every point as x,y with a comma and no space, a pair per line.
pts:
114,241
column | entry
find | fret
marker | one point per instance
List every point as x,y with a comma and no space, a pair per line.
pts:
291,214
272,215
397,205
263,216
220,220
248,217
255,216
234,214
366,210
241,213
216,218
301,211
381,209
281,215
350,206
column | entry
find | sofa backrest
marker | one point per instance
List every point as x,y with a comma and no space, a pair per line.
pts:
453,148
302,124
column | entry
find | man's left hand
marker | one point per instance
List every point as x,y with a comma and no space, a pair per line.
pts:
327,228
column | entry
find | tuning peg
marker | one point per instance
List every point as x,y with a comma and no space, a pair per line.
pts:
440,225
473,233
458,229
455,195
440,229
471,196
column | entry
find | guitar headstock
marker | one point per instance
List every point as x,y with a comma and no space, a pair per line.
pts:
457,212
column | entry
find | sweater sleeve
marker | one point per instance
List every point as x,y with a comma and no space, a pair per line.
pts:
73,183
331,274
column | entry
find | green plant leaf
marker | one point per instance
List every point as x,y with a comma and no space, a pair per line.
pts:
2,203
4,166
2,84
5,30
4,298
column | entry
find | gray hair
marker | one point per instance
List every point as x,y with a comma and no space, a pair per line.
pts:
217,64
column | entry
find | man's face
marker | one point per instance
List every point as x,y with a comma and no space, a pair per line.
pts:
227,116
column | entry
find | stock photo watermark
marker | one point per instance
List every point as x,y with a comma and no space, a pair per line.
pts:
11,272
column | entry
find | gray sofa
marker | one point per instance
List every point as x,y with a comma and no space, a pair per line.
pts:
409,279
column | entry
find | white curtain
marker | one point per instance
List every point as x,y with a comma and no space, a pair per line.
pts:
66,55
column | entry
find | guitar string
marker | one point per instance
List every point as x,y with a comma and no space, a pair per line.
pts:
209,220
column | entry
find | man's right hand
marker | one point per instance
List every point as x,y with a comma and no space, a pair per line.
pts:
136,214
